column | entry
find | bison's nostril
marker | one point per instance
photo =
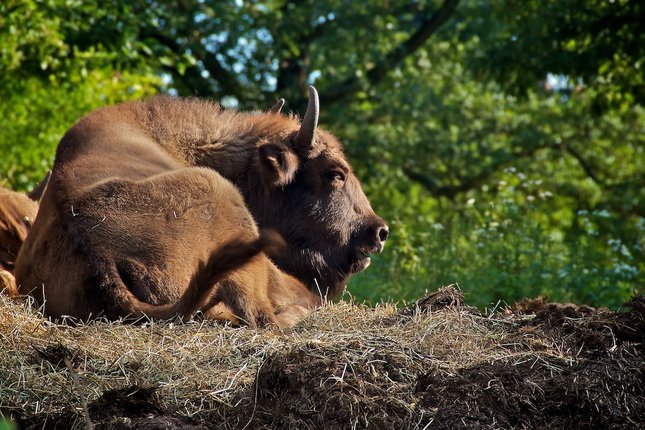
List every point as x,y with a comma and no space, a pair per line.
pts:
382,233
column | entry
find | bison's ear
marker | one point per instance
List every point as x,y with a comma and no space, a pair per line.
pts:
277,164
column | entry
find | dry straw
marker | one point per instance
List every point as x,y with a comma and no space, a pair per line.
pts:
435,364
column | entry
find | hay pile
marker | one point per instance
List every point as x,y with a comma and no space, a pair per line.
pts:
436,364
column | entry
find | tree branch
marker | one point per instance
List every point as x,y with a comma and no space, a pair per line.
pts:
471,182
192,77
429,25
228,83
586,166
610,190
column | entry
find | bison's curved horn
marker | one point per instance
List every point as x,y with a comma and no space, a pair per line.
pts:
277,107
37,193
307,133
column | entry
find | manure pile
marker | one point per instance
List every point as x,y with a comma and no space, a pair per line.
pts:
436,364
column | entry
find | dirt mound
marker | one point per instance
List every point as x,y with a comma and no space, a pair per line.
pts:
320,388
123,409
538,393
586,329
449,297
437,364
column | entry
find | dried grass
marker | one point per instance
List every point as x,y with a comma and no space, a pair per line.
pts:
345,366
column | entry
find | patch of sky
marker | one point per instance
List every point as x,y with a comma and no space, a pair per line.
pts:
230,102
313,76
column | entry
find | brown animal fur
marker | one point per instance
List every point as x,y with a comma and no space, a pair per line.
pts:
142,193
17,214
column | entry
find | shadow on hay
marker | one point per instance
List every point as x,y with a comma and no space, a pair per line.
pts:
537,393
127,408
320,388
601,388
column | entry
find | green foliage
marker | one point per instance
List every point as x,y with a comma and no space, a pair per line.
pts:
600,44
503,141
34,116
6,425
501,247
53,75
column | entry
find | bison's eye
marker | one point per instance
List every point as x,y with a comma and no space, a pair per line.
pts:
336,177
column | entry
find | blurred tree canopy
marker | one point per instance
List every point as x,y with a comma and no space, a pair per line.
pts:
502,140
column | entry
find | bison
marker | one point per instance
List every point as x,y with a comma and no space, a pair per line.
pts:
155,208
17,214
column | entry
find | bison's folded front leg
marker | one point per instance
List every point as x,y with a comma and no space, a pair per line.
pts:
241,302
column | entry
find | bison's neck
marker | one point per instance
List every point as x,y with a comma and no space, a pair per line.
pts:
230,152
201,134
228,143
232,159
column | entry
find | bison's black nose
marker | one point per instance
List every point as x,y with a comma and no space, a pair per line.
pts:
382,233
379,233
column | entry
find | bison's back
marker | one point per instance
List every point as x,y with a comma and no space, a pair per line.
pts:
141,128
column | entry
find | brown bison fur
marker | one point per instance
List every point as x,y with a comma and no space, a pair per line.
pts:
17,214
154,206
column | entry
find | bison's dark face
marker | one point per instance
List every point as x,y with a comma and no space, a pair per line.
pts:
318,205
